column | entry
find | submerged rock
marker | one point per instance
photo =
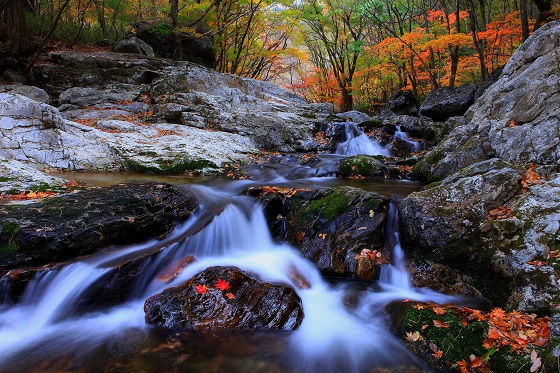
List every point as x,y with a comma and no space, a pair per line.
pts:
225,298
68,226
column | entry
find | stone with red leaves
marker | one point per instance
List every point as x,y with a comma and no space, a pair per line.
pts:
248,304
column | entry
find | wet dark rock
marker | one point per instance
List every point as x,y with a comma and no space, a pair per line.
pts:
404,103
447,102
195,47
443,279
71,225
252,304
330,226
134,45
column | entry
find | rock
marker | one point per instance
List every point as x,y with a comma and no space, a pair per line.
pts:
68,226
67,69
493,78
517,118
134,45
361,165
503,257
404,103
195,47
275,119
443,213
443,279
354,116
254,304
34,93
88,96
330,226
37,135
447,102
16,176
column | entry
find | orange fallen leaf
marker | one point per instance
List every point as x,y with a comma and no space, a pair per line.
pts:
463,366
440,324
476,362
439,311
230,295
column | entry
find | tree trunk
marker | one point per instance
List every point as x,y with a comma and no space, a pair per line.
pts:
174,15
454,52
544,7
100,11
14,27
347,104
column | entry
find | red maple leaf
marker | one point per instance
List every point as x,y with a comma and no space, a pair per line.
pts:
222,285
201,289
230,296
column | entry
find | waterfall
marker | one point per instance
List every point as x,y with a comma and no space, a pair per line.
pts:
228,230
356,142
414,145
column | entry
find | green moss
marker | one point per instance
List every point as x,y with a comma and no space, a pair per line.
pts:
329,206
41,187
362,165
505,361
10,248
167,167
456,342
148,154
161,29
434,156
10,228
4,179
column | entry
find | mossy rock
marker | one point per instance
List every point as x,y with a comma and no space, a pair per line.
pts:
361,165
171,167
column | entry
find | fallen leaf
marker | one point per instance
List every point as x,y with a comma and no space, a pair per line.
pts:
476,362
439,311
463,366
438,354
536,361
201,289
230,296
433,347
222,285
440,324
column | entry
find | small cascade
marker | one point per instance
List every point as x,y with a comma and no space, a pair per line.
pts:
227,230
414,145
356,142
396,274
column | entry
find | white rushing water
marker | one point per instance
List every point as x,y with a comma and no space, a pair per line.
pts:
332,337
414,145
356,142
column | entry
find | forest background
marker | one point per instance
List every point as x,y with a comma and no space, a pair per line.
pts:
353,53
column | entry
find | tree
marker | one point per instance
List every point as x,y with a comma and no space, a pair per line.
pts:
13,27
336,31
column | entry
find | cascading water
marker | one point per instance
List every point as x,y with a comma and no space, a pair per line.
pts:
227,230
414,145
356,142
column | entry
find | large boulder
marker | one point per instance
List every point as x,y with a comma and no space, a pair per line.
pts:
443,213
134,45
516,119
339,229
195,46
403,103
240,301
275,119
496,236
37,135
70,225
447,102
34,93
62,70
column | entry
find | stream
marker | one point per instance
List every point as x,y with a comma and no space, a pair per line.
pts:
57,327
